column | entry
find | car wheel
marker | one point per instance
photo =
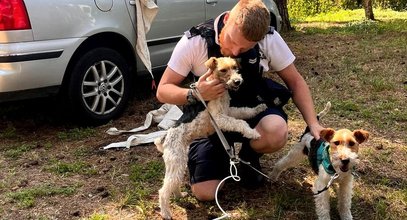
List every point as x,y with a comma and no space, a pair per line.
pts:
100,85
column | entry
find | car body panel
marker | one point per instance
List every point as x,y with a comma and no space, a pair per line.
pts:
63,31
36,72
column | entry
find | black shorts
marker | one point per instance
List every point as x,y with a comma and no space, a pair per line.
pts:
207,158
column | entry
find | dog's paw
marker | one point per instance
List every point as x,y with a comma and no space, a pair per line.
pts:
252,134
179,194
261,108
165,215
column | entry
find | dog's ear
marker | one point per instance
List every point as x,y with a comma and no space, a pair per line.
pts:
327,134
211,63
361,135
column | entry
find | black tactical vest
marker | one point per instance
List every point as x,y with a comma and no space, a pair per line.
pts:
248,93
255,88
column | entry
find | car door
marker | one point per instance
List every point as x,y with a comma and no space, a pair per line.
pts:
213,8
173,19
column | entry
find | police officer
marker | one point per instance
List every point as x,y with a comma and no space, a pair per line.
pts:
242,33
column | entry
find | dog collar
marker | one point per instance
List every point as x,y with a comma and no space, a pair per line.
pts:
323,157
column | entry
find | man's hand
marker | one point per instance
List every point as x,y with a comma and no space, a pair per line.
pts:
209,88
315,130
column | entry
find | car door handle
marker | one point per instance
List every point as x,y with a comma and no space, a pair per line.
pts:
211,2
134,2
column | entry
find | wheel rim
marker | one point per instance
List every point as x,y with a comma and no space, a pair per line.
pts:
102,87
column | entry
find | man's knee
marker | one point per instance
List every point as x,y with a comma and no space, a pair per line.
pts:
279,137
205,191
274,131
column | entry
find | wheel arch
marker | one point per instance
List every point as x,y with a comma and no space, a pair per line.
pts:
107,39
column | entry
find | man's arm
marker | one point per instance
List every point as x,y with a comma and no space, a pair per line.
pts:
169,91
301,97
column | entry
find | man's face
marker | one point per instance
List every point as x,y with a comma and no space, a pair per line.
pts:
232,42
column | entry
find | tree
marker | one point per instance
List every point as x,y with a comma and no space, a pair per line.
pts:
367,5
282,8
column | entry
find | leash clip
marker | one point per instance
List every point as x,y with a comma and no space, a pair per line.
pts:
333,177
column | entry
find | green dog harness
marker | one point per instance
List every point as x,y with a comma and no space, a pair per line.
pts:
319,154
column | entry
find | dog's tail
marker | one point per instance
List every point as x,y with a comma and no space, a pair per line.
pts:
159,143
319,116
325,111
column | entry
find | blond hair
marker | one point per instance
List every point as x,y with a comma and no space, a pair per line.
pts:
252,17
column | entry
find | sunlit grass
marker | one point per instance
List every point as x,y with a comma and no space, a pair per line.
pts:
352,22
353,15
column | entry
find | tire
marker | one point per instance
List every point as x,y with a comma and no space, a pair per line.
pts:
99,87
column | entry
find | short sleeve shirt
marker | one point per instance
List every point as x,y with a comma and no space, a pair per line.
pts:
190,55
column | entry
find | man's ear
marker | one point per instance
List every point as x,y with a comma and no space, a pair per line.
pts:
361,135
226,17
327,134
211,63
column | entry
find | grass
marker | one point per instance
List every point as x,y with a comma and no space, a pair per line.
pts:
77,167
17,151
9,132
352,22
378,70
97,216
76,133
26,198
358,65
144,177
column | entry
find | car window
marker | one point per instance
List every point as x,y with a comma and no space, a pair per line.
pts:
175,17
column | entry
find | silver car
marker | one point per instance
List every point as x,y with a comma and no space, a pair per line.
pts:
85,50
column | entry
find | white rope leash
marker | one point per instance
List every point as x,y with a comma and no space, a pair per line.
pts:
235,177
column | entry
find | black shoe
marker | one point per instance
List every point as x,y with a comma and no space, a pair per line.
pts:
250,178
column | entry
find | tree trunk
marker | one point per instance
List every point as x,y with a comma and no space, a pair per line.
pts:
367,5
282,8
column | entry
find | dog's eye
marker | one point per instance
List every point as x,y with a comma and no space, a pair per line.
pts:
223,70
351,143
337,142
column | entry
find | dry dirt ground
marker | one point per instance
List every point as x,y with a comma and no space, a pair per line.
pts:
51,169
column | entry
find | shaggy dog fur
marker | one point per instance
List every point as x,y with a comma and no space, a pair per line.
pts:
176,143
343,155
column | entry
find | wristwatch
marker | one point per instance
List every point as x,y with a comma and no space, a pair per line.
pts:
191,99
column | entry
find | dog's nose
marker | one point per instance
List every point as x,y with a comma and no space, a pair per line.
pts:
237,82
345,161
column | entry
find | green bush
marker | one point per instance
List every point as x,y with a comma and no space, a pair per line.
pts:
350,4
304,8
397,5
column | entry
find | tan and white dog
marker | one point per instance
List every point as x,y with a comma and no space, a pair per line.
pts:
176,143
332,159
